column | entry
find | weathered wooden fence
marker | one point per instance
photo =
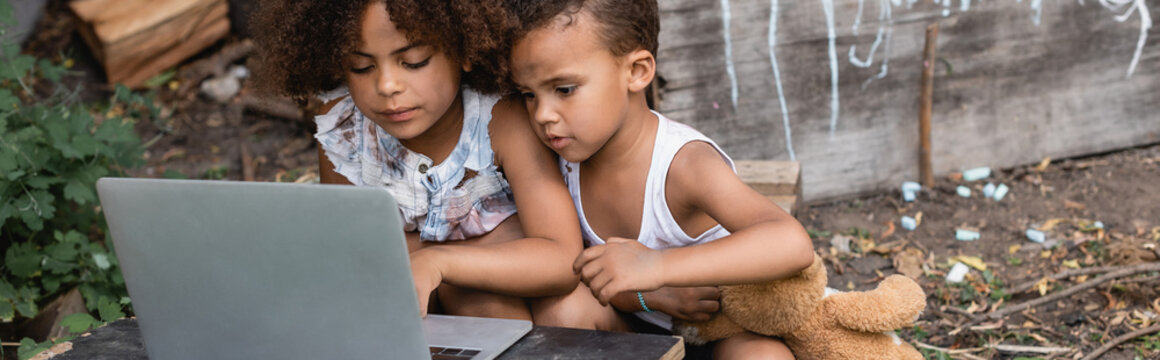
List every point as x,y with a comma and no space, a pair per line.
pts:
834,83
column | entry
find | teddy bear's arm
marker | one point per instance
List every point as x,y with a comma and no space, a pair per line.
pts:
896,303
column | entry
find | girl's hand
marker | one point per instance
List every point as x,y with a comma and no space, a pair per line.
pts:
428,276
686,303
617,266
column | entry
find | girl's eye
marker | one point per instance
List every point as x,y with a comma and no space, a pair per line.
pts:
361,70
566,90
418,64
528,95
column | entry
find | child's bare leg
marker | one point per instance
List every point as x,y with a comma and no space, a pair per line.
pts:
751,346
578,309
470,302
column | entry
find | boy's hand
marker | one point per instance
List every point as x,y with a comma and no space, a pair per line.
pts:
617,266
686,303
427,276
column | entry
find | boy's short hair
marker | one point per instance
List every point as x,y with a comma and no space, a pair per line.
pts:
625,25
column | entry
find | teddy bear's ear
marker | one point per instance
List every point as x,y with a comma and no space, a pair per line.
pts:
777,307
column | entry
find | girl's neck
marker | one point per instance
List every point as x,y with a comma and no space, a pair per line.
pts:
440,140
629,145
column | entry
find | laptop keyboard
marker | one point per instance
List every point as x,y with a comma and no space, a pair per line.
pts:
450,353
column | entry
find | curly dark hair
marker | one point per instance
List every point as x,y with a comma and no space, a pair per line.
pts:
301,43
626,25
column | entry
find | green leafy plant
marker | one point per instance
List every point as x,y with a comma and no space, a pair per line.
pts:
52,151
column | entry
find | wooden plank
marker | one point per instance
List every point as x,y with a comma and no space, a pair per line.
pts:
134,71
116,19
779,181
546,342
1019,91
790,203
136,39
770,177
121,339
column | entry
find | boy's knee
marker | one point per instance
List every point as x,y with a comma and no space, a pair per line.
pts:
576,310
469,302
752,346
556,311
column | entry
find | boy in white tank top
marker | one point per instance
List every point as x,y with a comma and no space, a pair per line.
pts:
642,183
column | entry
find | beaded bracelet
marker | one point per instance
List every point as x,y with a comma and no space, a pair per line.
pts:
640,297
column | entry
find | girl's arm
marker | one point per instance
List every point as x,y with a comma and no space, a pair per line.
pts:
766,243
540,263
326,173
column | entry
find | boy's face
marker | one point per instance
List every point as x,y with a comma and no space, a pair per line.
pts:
404,87
575,89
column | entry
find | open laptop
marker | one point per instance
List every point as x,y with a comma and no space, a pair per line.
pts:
233,270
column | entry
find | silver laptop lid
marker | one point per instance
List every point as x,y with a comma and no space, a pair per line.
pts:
231,270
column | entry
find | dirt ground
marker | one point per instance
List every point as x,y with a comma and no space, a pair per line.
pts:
861,239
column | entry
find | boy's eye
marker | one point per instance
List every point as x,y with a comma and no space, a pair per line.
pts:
418,64
566,90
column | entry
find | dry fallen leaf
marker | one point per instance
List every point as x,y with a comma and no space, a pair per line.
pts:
1042,286
909,263
1050,224
1043,164
1074,264
972,261
1014,248
889,230
1073,205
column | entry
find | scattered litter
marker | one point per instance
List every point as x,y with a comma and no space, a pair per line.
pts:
957,273
909,223
1098,225
977,174
1000,192
966,235
909,188
963,191
1036,236
989,190
841,243
221,89
239,71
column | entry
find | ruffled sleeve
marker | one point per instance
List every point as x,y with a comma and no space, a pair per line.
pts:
340,137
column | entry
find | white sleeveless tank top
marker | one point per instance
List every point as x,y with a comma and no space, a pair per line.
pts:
658,229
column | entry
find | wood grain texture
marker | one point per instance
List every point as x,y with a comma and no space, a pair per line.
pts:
136,39
1014,93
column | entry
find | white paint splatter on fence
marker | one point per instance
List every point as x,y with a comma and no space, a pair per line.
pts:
725,19
1145,24
773,14
828,8
883,38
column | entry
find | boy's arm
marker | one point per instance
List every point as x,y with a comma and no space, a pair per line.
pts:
540,263
766,243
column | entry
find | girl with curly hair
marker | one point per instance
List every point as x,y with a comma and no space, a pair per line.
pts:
410,89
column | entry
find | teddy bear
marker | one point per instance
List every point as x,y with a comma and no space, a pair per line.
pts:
817,322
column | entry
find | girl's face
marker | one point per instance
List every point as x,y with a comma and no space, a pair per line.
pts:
406,88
